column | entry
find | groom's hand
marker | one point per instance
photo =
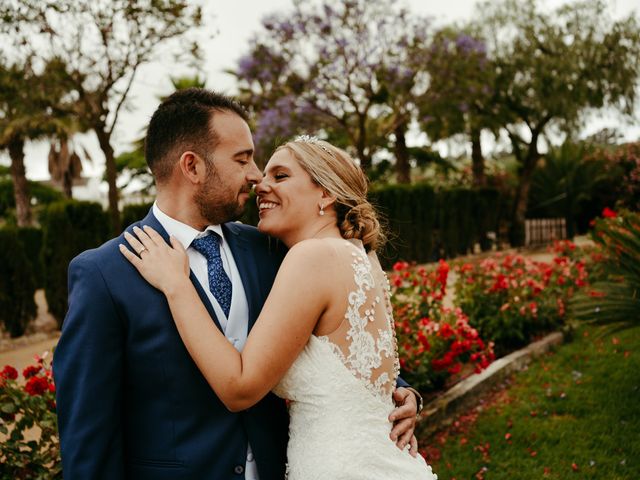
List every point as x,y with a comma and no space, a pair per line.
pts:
404,419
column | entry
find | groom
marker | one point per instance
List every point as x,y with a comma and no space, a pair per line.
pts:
131,402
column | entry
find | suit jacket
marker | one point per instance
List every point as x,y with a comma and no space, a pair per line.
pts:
131,402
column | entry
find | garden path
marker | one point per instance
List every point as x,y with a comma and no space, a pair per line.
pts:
41,336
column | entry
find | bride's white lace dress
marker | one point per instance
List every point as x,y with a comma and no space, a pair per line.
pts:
340,390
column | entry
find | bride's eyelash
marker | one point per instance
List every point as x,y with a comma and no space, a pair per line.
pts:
279,176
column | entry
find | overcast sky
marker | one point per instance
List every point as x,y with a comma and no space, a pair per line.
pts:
232,23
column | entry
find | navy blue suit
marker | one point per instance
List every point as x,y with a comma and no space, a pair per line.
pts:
131,402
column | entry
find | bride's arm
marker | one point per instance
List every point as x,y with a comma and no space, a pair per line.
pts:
297,299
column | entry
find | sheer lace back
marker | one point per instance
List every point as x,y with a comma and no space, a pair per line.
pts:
365,340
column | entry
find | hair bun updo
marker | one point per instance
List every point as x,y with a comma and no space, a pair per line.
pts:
360,222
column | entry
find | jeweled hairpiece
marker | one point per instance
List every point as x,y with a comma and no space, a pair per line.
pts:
313,140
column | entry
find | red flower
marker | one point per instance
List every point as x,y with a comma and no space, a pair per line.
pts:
399,266
608,213
445,330
9,372
455,368
36,386
30,371
443,272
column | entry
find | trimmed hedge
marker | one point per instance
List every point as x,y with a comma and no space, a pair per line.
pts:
69,227
409,215
31,240
17,284
134,212
424,225
40,195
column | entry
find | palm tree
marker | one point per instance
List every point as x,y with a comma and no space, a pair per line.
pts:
614,300
30,108
65,165
562,185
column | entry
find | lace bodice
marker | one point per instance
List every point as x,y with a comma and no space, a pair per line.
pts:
365,342
340,388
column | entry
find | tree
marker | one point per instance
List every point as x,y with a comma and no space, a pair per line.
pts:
551,69
65,165
333,69
132,165
461,93
103,45
30,104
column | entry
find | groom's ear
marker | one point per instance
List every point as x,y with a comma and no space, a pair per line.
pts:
192,167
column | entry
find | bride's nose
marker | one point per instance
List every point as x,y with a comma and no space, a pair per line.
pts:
261,187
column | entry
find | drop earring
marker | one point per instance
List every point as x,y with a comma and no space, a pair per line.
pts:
321,210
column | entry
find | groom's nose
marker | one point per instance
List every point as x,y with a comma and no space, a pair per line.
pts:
254,175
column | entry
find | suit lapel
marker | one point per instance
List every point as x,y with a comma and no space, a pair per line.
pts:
153,222
246,263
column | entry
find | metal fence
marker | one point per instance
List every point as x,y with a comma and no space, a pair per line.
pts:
540,231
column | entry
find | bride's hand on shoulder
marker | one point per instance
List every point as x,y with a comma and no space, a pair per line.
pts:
164,266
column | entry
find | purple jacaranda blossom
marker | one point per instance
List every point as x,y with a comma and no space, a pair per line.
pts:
467,44
246,65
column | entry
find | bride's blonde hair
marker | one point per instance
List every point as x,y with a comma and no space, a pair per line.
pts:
339,175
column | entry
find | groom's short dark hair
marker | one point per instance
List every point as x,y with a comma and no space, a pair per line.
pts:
183,122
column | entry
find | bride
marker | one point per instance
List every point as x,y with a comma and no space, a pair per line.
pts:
336,361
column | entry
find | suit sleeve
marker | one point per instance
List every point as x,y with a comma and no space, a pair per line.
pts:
88,371
401,383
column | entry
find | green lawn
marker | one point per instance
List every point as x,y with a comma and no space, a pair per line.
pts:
573,414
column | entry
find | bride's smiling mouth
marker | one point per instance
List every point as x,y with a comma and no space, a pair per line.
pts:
264,206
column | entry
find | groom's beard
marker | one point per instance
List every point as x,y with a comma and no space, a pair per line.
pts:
217,202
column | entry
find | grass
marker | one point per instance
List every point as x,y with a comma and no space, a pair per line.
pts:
573,414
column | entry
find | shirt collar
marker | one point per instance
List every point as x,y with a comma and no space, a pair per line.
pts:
184,233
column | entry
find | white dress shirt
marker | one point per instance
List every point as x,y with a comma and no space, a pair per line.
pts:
236,325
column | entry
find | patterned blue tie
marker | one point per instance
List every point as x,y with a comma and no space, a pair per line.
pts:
219,283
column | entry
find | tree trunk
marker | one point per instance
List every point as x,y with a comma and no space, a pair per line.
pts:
105,145
516,233
20,185
361,144
403,168
477,160
67,184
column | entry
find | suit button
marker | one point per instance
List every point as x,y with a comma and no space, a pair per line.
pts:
239,469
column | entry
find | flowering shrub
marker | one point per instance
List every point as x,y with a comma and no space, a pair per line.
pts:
512,299
30,447
434,343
